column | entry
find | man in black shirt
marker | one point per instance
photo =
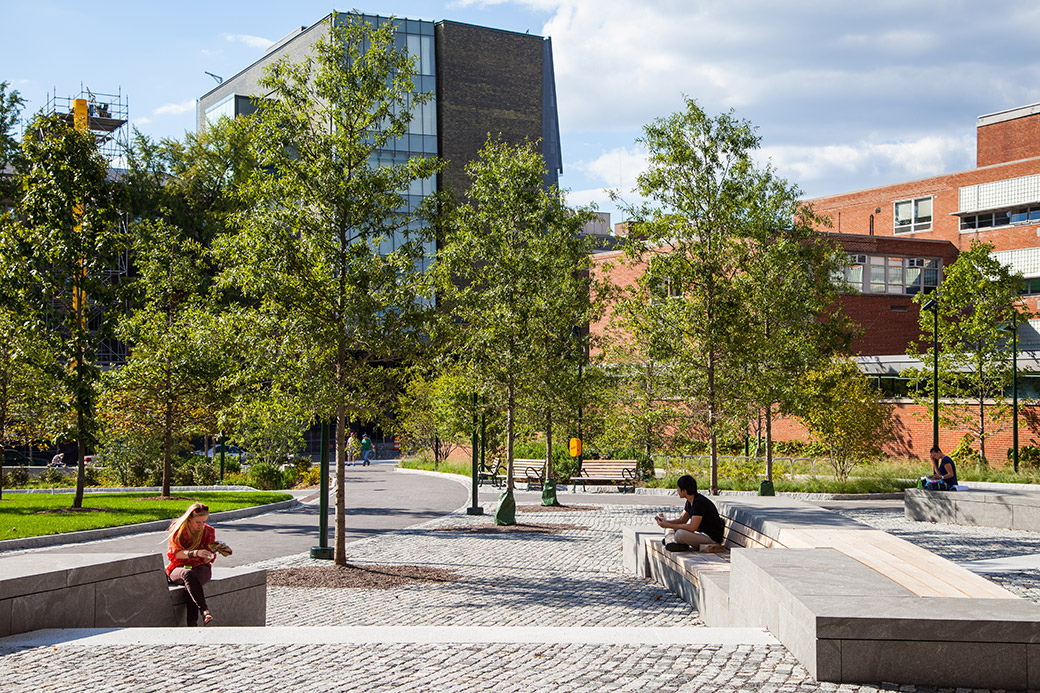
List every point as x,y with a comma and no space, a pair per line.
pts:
699,523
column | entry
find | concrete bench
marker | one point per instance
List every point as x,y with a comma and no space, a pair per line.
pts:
854,604
52,590
1004,509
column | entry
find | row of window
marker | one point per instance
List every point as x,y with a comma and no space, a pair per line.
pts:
874,274
893,386
912,216
1006,217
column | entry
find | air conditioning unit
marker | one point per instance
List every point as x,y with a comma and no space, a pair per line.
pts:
916,262
857,259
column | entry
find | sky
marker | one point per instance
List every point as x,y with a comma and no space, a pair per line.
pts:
845,95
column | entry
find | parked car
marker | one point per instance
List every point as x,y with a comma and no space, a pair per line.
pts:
13,458
232,450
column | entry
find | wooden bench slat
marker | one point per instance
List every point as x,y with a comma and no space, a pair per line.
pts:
936,567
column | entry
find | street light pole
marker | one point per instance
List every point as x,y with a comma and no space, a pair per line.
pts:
1014,390
323,551
475,509
933,306
1013,328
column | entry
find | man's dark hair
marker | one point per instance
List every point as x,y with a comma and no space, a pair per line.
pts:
687,483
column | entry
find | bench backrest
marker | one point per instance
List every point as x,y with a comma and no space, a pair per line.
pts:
607,468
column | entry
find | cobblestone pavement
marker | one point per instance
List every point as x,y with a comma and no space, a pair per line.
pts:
571,578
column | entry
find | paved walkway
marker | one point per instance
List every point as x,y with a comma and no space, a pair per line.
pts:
530,612
379,501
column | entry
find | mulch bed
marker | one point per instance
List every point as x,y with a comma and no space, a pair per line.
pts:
518,528
556,508
63,511
358,576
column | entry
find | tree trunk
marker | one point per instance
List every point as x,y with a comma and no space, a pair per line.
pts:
510,410
982,432
548,472
167,453
340,552
712,438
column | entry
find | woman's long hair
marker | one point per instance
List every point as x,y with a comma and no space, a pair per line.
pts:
179,534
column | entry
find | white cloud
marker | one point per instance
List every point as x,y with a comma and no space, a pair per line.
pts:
813,167
616,168
250,41
143,120
174,108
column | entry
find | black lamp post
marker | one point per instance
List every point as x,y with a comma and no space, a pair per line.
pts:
323,551
1013,329
933,306
475,509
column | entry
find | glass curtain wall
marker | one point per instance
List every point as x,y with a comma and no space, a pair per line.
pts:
415,37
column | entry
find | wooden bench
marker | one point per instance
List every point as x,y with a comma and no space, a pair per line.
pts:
528,471
852,603
493,473
622,473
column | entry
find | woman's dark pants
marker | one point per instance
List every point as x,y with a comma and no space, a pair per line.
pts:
193,579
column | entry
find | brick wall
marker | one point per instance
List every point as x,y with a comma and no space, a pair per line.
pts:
488,81
1009,140
912,433
850,212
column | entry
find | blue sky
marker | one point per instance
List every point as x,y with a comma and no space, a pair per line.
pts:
845,95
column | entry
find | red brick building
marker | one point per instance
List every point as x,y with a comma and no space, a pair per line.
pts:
900,237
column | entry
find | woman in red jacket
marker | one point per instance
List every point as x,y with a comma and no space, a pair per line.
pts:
191,558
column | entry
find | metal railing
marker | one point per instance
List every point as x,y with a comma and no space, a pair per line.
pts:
699,464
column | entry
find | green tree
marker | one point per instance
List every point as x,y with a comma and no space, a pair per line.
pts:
792,322
700,186
10,108
327,241
504,260
62,255
842,410
434,413
167,385
977,297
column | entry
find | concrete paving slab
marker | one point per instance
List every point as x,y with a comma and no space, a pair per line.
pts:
100,637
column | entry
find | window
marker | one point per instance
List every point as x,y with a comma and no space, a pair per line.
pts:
912,216
1004,217
1030,287
874,274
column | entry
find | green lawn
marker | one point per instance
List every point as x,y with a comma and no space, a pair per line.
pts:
36,514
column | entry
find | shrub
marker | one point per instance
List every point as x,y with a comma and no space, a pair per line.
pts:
92,476
312,477
19,477
237,479
265,476
964,454
52,476
1028,456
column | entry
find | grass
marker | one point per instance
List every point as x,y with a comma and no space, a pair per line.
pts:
37,514
880,476
448,466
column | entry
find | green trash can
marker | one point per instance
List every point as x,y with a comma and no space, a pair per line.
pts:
506,512
549,493
766,488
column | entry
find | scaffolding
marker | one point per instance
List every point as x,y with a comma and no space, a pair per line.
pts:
107,114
